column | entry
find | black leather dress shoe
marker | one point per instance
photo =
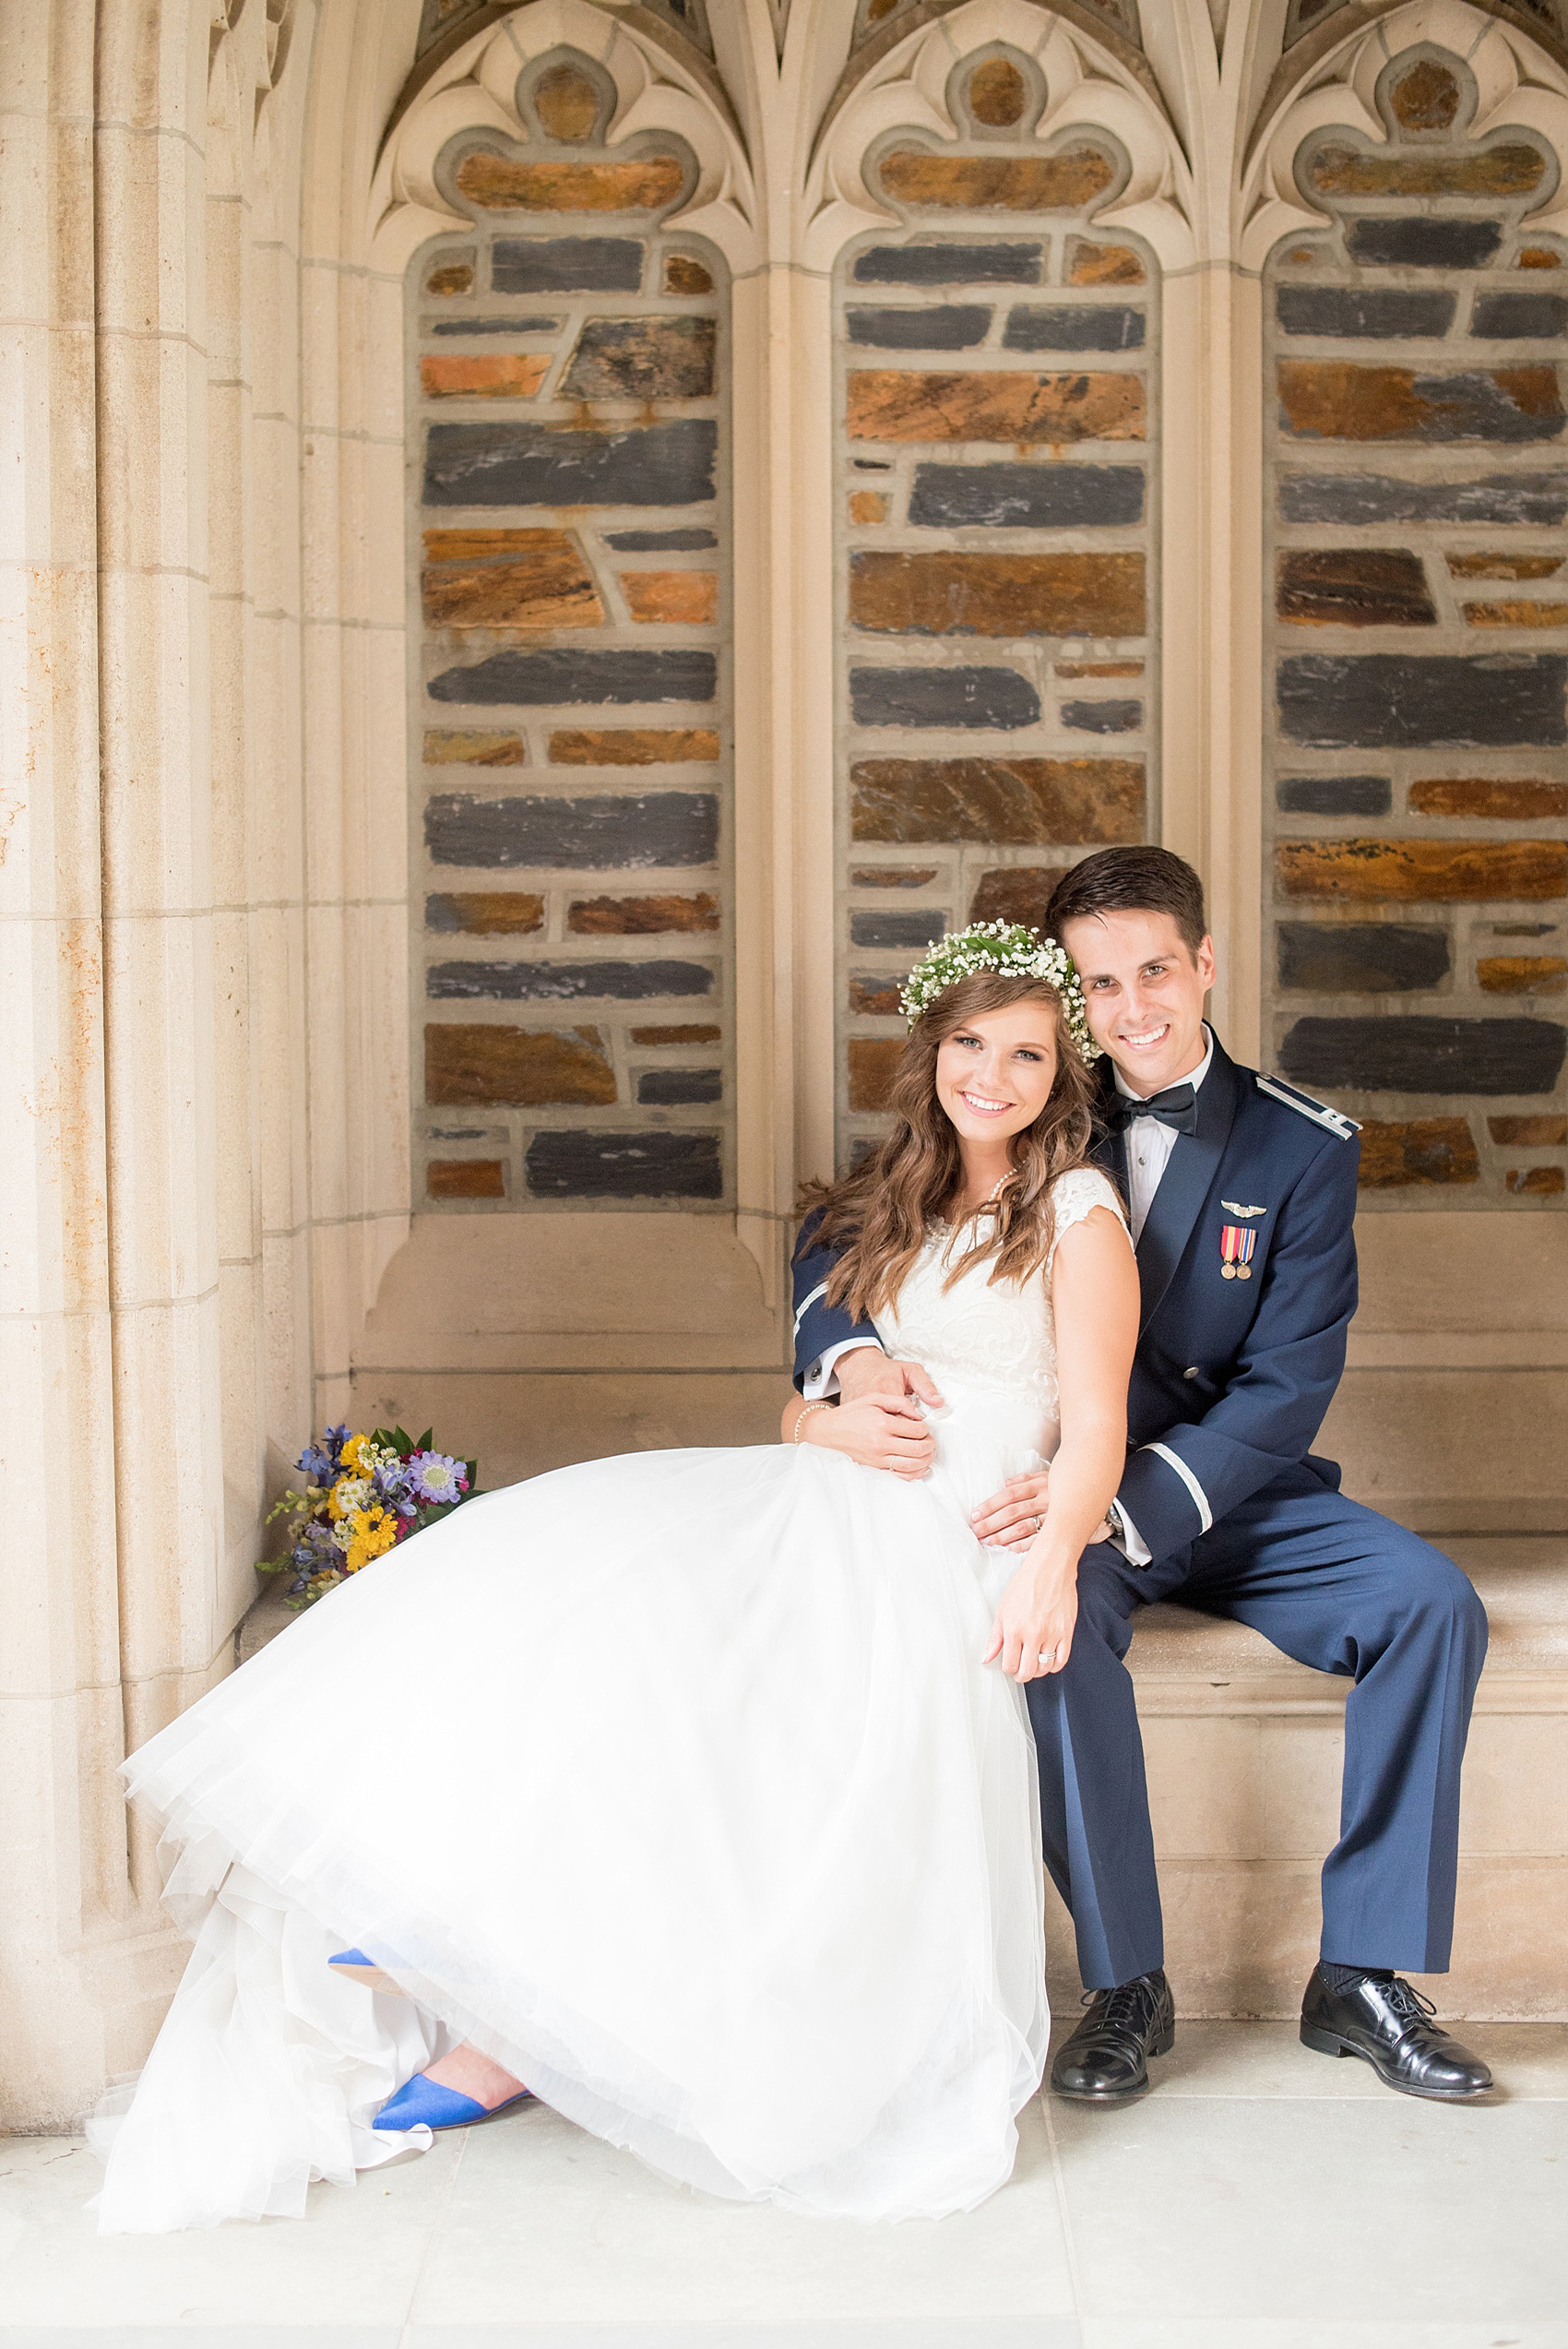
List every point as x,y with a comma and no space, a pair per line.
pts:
1390,2026
1106,2060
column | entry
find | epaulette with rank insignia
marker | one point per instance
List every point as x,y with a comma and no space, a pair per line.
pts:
1280,1088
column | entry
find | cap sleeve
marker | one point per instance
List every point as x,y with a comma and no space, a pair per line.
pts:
1077,1194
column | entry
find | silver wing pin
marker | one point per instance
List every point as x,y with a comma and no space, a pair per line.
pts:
1234,1207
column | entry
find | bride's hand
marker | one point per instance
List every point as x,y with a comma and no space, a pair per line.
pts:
879,1431
1033,1632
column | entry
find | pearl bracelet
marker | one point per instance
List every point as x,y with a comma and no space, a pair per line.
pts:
805,1416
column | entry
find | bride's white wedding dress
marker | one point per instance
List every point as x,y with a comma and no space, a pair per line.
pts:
675,1782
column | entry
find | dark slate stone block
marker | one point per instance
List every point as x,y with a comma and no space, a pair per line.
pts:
496,325
669,1088
562,674
1412,240
563,982
906,928
956,328
1411,1053
1083,328
528,464
1027,498
1519,318
1361,957
1363,313
660,542
1338,498
1415,701
599,834
948,265
1102,717
942,697
567,265
1335,795
594,1165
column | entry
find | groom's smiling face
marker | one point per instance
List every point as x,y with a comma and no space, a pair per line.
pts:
1144,989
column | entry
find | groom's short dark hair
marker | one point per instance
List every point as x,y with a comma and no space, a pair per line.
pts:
1131,881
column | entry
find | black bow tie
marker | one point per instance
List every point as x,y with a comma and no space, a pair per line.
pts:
1177,1106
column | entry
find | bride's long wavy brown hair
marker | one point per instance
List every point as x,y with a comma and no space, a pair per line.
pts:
883,1213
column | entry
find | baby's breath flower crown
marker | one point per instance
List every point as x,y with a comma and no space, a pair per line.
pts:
1015,952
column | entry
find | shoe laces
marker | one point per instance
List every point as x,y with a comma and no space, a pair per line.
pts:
1125,2009
1406,2002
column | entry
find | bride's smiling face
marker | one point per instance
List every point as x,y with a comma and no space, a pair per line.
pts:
994,1074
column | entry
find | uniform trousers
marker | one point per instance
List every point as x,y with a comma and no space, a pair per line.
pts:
1336,1587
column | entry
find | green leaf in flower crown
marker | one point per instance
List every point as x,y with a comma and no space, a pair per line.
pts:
427,1442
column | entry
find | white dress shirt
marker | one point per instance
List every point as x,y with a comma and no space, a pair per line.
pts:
1150,1143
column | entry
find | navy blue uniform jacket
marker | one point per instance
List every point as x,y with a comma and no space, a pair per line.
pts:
1231,1377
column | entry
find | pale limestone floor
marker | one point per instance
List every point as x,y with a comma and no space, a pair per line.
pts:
1261,2197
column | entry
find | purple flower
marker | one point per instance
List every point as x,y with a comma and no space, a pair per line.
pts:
437,1477
319,1461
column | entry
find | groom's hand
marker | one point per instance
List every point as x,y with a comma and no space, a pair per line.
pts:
866,1371
1011,1518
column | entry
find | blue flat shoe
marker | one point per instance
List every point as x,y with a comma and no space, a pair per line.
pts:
360,1968
423,2101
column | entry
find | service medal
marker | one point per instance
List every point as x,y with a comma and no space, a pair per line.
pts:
1237,1242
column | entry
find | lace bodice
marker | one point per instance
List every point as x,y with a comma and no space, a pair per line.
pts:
1000,1336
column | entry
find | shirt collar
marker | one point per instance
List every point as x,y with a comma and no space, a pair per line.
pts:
1196,1080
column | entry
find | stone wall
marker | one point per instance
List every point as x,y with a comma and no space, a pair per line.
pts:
996,501
570,735
1417,863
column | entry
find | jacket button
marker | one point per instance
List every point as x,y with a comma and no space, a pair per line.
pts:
1192,1371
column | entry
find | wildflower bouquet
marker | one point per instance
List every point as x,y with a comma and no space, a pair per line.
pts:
362,1495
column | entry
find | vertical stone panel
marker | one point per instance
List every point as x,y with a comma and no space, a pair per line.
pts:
569,602
1417,435
997,692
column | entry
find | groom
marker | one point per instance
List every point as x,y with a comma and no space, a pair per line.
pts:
1241,1193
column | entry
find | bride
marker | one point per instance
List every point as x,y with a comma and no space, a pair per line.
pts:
735,1857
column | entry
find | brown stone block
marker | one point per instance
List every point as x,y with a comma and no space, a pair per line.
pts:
1427,98
1015,893
492,374
998,595
1335,400
451,277
634,746
473,747
1536,1132
687,597
636,917
1354,586
1504,566
1481,796
894,876
485,913
503,184
868,506
1537,1182
1421,1150
873,1063
1062,183
907,404
1099,668
997,93
692,1032
1511,170
1538,257
496,1066
1103,265
684,274
1517,612
1012,802
526,579
568,105
643,359
1523,975
874,998
1363,870
465,1178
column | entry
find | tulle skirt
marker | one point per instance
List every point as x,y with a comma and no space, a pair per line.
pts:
675,1784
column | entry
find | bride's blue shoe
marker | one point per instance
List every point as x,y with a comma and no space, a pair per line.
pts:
423,2102
358,1967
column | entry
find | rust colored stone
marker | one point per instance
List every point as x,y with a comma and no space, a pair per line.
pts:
643,359
640,917
1354,586
955,594
1504,566
1333,399
514,1068
691,1033
1537,256
868,506
1487,170
472,746
877,9
532,579
493,374
1523,975
1516,613
1420,1149
894,876
1062,183
1103,265
1528,1132
873,1063
904,404
1427,98
1015,893
687,597
486,914
451,277
1482,797
634,746
504,184
1467,871
684,274
568,105
998,93
874,998
1011,803
1537,1182
1099,668
465,1178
